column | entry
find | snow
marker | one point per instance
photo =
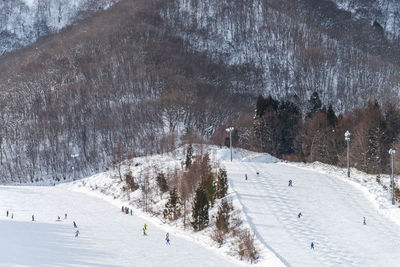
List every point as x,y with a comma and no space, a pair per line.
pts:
29,3
333,211
332,205
107,236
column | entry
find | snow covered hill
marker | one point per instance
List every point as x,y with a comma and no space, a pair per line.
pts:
332,206
107,236
22,22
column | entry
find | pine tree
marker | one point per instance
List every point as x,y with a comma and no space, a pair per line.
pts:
331,117
173,207
314,105
260,106
200,209
189,156
210,189
222,184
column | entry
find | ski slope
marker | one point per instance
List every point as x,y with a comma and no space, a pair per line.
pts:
107,236
332,209
332,206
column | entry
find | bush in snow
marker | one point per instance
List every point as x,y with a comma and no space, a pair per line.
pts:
245,245
162,182
222,222
130,182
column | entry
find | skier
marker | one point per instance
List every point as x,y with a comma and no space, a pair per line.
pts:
122,209
312,245
58,218
131,212
290,183
76,233
145,226
365,221
245,176
33,218
12,215
65,217
167,239
7,213
144,231
299,215
75,226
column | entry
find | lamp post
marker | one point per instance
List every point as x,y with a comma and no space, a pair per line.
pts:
74,156
391,152
229,130
347,138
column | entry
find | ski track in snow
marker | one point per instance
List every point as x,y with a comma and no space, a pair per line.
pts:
107,236
332,209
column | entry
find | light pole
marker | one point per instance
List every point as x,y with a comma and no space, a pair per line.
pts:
74,156
391,152
347,138
229,130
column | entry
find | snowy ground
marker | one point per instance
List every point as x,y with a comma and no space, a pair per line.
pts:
333,208
107,236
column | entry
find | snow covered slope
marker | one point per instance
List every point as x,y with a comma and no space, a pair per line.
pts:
333,211
333,208
107,236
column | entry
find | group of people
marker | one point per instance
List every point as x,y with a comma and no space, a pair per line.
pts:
126,210
12,214
58,219
167,241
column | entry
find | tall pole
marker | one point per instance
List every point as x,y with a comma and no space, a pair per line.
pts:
230,142
391,152
230,129
347,138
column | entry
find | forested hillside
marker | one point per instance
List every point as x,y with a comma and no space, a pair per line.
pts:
117,84
290,49
24,21
141,76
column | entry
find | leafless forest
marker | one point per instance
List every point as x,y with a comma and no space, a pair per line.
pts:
136,78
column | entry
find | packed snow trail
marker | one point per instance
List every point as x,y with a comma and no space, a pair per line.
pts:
107,237
332,210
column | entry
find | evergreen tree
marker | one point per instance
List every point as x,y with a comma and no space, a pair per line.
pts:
331,117
173,207
162,182
210,189
205,167
314,104
189,156
200,209
260,106
289,117
222,184
271,104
